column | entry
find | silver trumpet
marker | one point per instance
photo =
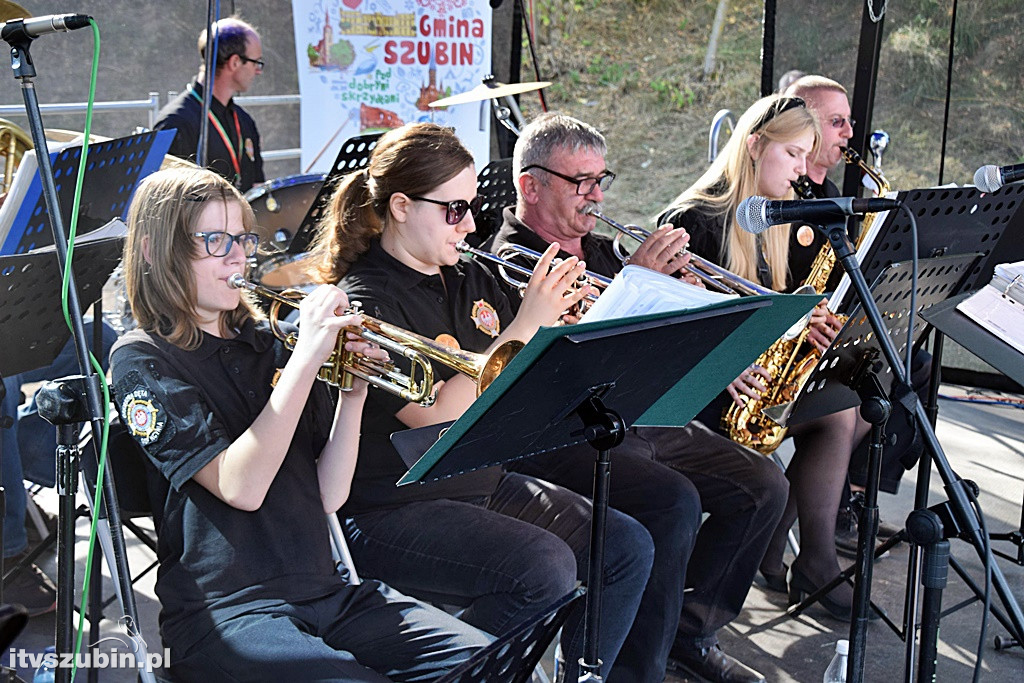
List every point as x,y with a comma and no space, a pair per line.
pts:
509,270
713,276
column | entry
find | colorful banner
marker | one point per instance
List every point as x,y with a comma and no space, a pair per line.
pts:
366,66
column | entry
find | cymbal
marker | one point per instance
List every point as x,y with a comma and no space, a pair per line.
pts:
489,92
12,10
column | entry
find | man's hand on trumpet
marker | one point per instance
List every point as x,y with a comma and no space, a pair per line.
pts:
665,252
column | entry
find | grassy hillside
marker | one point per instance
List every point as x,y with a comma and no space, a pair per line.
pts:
634,69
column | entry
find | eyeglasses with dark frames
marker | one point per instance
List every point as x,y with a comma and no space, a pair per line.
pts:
583,185
219,242
258,62
783,104
455,209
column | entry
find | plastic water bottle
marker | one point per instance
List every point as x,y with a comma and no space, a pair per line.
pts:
836,671
44,674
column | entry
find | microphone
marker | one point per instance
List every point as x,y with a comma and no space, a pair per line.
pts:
37,26
991,178
757,214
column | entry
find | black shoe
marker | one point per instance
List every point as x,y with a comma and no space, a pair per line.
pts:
711,664
885,530
775,581
30,588
800,586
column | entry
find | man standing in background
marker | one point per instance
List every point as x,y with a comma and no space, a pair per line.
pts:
233,143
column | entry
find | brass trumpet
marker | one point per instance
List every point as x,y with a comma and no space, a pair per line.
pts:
711,274
418,385
506,268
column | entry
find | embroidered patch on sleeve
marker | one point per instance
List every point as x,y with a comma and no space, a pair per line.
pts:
143,415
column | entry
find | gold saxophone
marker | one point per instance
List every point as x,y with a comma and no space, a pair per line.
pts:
787,361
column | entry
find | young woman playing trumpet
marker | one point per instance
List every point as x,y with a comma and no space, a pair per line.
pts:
501,544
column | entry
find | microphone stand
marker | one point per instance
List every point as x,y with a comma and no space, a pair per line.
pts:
952,483
209,66
24,69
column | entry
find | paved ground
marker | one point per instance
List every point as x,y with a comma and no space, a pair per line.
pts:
983,443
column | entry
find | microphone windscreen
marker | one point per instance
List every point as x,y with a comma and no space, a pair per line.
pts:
988,178
750,215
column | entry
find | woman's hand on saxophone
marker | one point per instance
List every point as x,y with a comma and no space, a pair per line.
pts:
749,384
824,326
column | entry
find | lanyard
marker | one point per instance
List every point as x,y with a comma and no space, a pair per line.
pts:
235,156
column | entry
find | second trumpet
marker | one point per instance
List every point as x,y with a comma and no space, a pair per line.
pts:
713,276
418,385
518,276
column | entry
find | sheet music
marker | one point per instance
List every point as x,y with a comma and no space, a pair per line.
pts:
28,171
640,291
999,305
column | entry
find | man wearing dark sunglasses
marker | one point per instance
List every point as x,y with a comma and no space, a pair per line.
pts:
829,102
559,169
233,143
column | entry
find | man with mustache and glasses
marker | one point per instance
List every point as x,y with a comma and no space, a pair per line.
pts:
559,170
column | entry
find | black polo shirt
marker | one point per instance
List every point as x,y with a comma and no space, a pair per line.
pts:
183,114
463,302
186,407
597,249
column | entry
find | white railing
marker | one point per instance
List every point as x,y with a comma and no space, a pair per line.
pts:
152,108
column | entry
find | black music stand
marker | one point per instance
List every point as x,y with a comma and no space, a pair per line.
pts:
957,220
32,319
963,520
947,319
497,188
512,658
828,389
353,156
589,383
113,170
1004,358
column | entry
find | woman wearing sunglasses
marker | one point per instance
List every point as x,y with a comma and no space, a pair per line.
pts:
766,153
501,544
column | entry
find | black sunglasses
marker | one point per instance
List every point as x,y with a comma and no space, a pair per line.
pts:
583,185
258,62
456,209
219,242
783,104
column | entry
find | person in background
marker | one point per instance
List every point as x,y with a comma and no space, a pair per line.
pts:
233,142
829,102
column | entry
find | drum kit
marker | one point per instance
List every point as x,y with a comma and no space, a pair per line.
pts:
281,204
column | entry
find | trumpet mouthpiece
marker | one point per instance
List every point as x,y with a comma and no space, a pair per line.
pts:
236,281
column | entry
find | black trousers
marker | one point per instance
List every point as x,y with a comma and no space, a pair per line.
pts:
665,478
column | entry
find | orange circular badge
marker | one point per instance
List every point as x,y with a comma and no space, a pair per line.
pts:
805,235
448,341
